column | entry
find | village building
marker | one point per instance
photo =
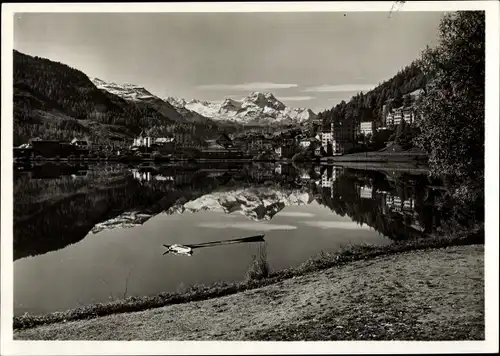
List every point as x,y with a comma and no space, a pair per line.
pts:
83,144
367,128
307,142
398,116
259,144
240,143
183,138
285,151
340,135
409,116
394,203
389,120
326,137
224,140
326,180
142,141
366,192
163,140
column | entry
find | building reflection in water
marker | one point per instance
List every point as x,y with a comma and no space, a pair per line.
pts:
329,177
337,183
178,178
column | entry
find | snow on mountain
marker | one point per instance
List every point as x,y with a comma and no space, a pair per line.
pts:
204,108
126,220
130,92
254,203
255,108
176,102
262,100
170,108
229,106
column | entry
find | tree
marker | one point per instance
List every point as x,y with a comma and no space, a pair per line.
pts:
329,149
404,134
398,98
380,138
407,101
452,108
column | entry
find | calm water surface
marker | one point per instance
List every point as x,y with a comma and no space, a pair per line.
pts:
86,234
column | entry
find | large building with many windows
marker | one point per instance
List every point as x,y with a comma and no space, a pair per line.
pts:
340,135
367,127
398,116
326,137
395,116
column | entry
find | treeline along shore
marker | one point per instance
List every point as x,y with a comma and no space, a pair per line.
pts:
60,151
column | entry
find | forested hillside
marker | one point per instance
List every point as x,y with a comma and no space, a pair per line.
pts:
55,101
368,106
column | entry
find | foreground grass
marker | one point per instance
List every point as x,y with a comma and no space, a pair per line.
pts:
435,294
201,292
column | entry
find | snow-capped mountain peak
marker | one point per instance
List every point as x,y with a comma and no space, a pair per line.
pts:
97,82
254,203
196,101
176,102
263,100
126,91
229,105
257,107
231,102
171,108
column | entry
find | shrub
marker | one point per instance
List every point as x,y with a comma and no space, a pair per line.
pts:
259,268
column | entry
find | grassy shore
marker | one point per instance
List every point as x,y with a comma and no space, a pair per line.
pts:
202,292
380,157
436,294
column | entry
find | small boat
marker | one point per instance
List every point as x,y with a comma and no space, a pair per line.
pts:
179,249
188,249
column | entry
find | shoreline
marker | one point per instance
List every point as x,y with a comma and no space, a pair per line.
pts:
220,289
392,297
355,158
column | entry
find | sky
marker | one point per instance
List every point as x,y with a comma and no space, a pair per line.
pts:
311,60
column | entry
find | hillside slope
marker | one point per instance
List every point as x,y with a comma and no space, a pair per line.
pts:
143,98
393,297
369,106
55,101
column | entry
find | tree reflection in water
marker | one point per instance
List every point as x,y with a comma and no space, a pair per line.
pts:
53,210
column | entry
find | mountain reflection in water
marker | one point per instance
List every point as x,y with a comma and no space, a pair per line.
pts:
92,229
57,205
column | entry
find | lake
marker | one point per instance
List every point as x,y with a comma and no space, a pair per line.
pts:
91,233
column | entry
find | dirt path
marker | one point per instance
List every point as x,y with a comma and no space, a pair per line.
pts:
424,295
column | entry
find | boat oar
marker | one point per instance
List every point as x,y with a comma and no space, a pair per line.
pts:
255,238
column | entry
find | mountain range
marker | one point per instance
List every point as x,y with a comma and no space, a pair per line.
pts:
256,108
256,204
55,101
139,95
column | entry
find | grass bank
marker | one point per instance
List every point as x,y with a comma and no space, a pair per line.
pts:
435,294
201,292
381,157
